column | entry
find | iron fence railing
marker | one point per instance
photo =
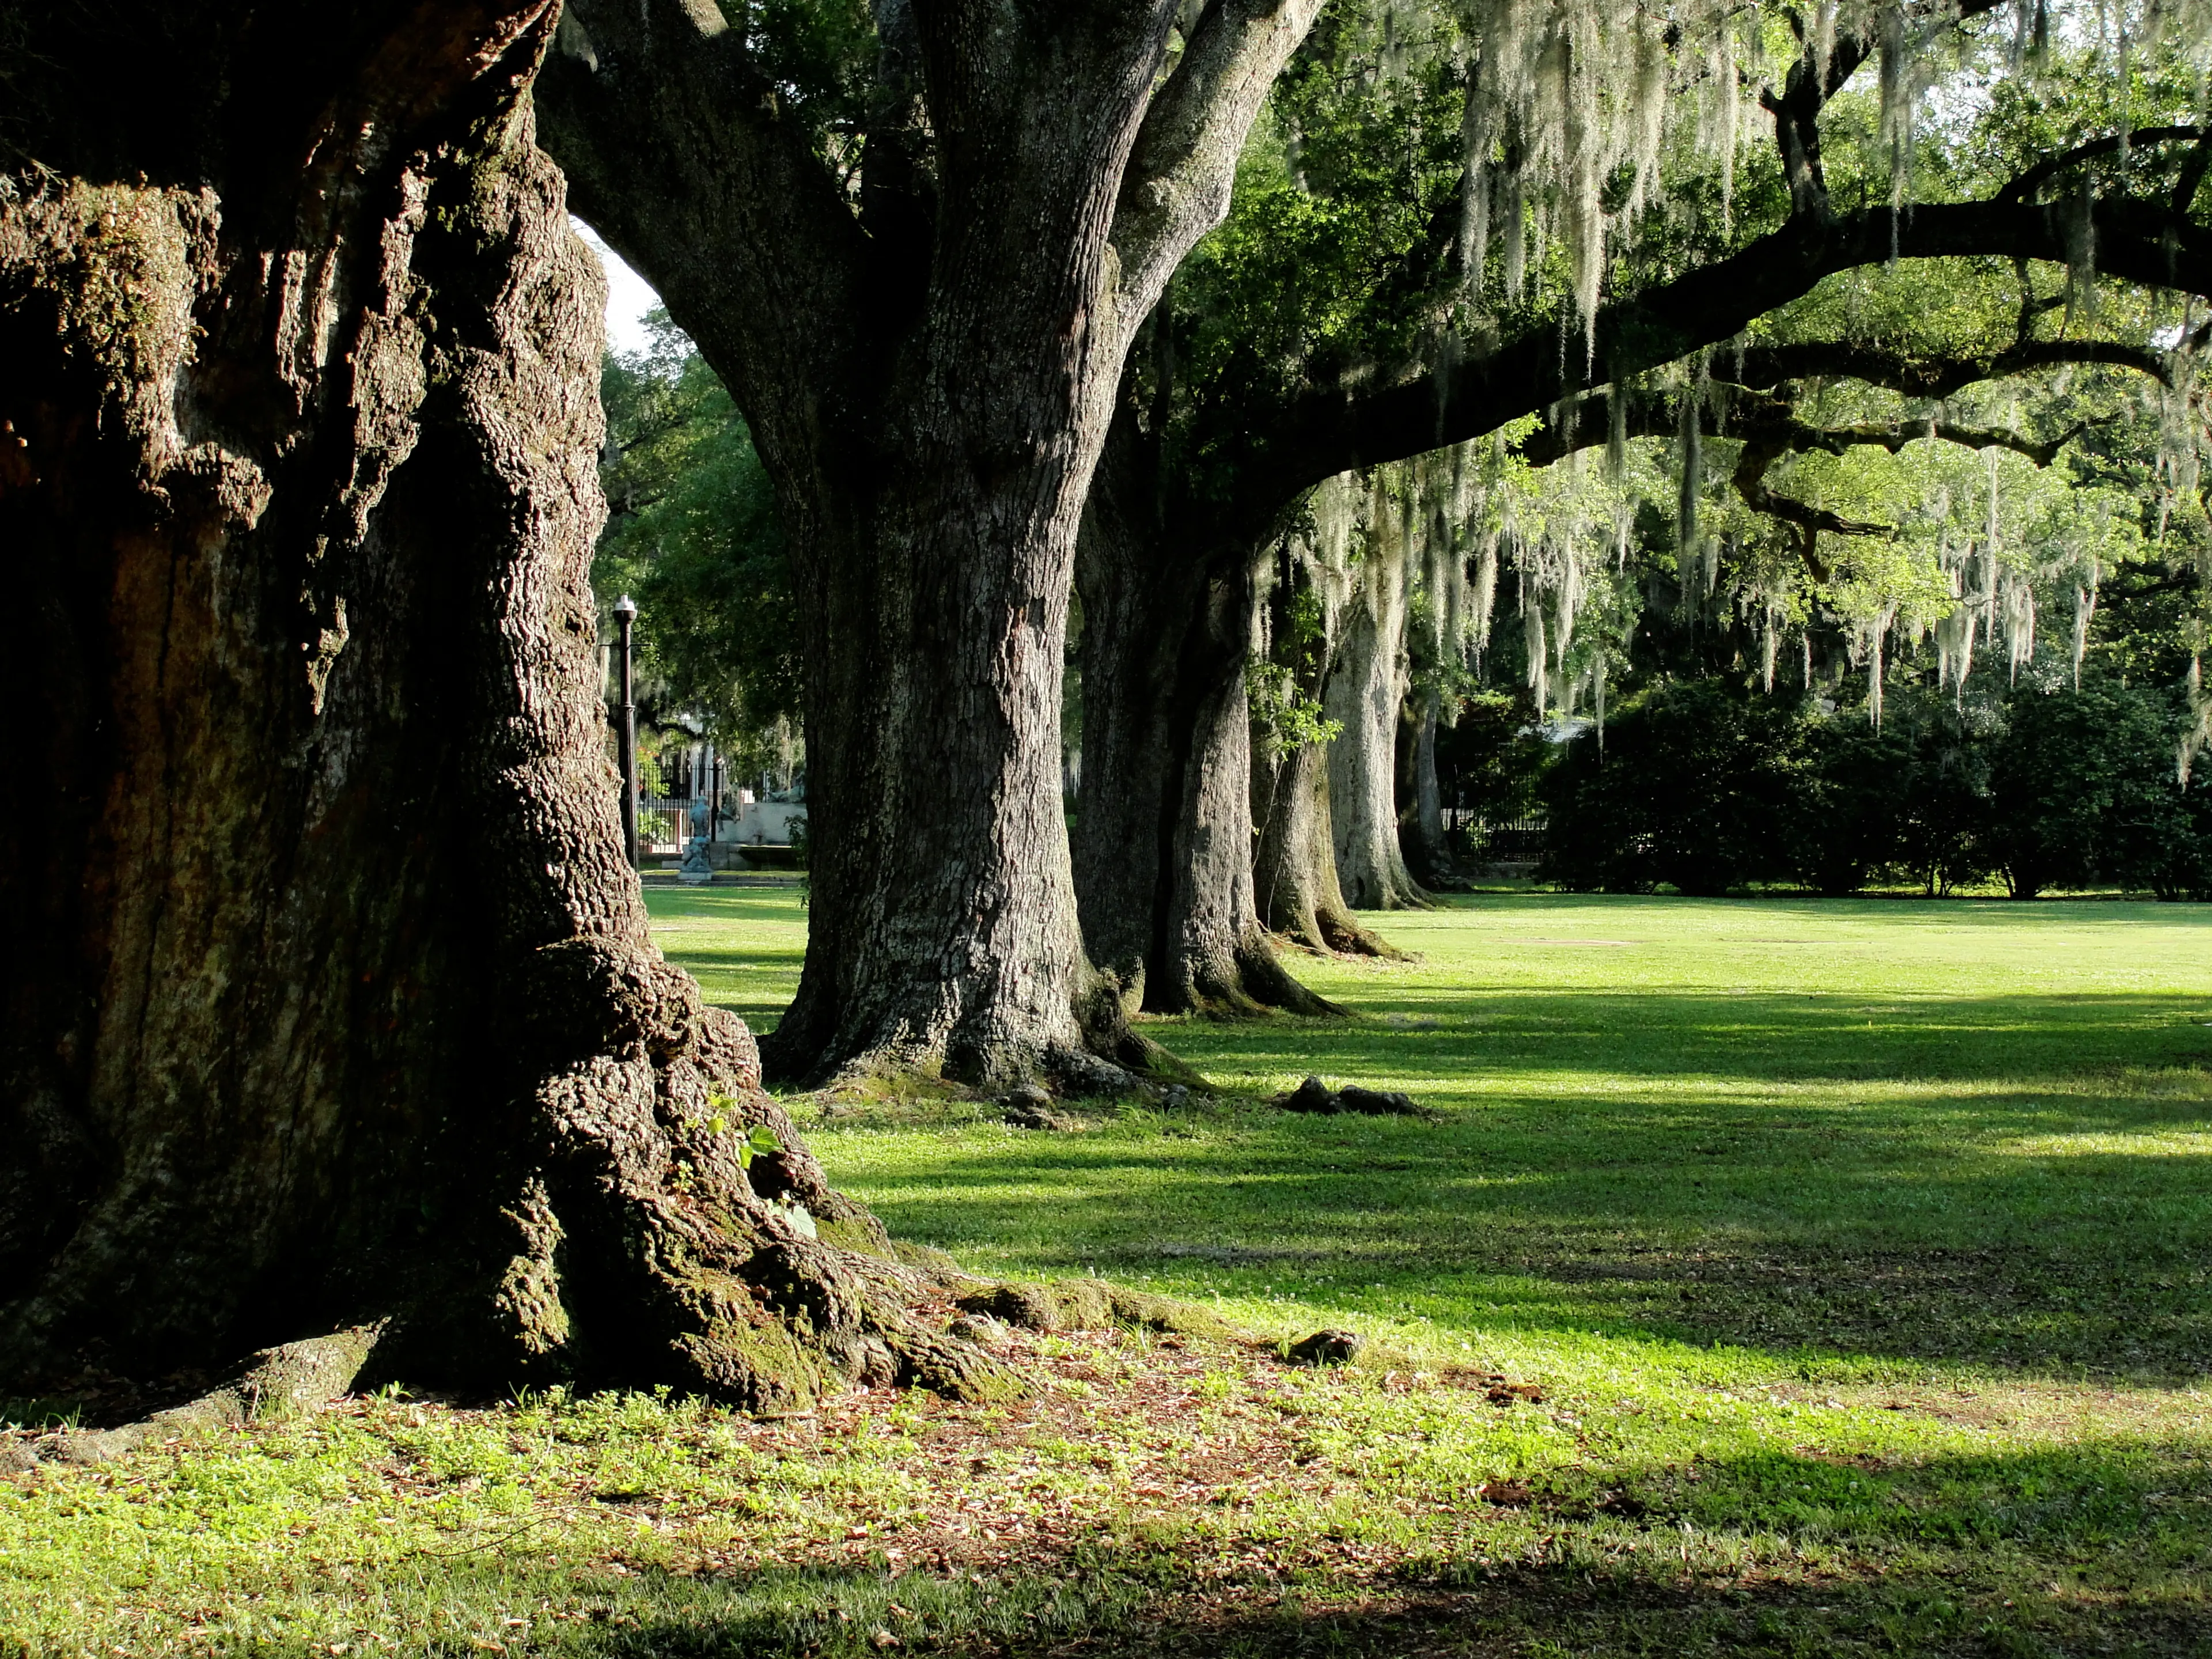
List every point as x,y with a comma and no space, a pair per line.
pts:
1515,840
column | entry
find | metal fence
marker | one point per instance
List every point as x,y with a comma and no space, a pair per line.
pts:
1517,841
664,800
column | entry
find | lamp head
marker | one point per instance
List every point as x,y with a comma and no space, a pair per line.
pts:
626,607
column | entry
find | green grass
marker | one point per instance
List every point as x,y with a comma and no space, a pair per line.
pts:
1859,1250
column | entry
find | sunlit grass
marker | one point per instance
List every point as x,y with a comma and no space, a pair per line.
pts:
1860,1253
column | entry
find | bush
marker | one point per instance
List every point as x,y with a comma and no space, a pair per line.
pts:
1707,789
2084,791
1689,784
1849,812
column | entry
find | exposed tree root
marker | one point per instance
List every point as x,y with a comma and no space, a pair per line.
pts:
1317,1096
277,1382
1255,986
1090,1305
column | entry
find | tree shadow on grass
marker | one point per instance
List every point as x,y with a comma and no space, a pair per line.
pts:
1482,1032
2051,1232
2062,1550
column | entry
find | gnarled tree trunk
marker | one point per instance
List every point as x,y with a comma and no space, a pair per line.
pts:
928,352
329,997
1162,841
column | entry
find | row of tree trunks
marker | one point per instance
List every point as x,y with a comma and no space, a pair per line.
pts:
1163,838
298,482
1294,868
930,380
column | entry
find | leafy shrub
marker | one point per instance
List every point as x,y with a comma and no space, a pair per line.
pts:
1688,784
1850,806
1707,789
2082,790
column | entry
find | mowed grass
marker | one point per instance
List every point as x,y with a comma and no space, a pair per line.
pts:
1856,1255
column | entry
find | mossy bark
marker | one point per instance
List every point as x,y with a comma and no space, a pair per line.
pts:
328,996
926,323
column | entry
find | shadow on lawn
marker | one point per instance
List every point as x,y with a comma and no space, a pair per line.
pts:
1481,1031
1957,1226
1516,1611
2064,1550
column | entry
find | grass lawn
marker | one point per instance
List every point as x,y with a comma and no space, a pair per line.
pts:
1776,1276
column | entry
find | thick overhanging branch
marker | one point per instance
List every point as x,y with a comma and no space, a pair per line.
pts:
1773,430
1809,521
1769,428
2116,593
664,90
1765,366
1176,185
1334,431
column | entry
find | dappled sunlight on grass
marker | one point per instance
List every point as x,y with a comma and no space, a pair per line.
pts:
1787,1277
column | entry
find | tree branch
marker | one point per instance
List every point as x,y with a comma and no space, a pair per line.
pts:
1331,430
1806,91
1765,366
664,90
2024,187
1769,428
1176,185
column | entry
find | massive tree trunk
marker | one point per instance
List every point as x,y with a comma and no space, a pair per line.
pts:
328,995
1364,694
1162,841
928,352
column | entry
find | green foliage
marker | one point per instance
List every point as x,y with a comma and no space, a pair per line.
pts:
1283,687
1852,822
1691,786
1707,789
1289,717
2083,790
1328,249
693,535
755,1140
820,58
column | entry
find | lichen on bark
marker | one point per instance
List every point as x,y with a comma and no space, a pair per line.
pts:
331,999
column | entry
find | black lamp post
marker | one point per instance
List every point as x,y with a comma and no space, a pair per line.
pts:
626,732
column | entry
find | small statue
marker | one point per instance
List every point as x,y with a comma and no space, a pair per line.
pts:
698,869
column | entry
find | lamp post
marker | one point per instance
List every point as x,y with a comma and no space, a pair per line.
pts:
626,732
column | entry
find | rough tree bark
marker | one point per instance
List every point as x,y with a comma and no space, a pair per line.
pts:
1364,692
1163,832
328,995
929,355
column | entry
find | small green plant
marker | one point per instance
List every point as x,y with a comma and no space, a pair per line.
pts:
755,1140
